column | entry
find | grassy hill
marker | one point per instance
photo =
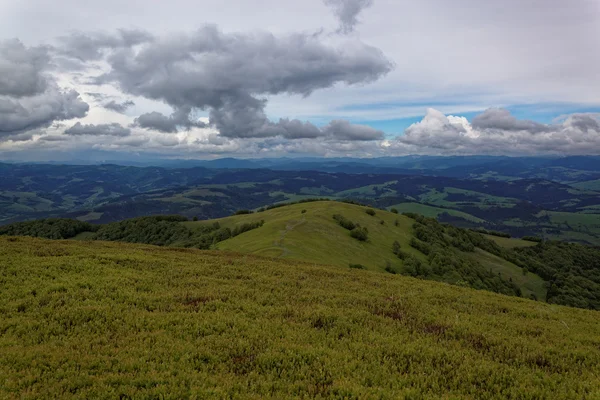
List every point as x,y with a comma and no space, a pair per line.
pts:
349,235
313,235
114,320
316,237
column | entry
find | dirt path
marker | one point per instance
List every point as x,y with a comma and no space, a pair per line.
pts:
290,226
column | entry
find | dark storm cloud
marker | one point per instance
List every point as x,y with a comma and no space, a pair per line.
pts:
227,74
500,118
343,130
90,46
160,122
29,96
118,107
347,12
98,130
583,122
18,115
22,69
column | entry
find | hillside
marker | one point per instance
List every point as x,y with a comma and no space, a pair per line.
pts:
316,237
113,320
507,199
355,236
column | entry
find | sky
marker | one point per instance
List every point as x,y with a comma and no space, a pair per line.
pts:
208,79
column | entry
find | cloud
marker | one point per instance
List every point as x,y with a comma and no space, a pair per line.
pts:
20,137
343,130
29,96
90,46
229,75
347,12
22,69
119,107
499,118
54,138
113,129
27,113
496,131
160,122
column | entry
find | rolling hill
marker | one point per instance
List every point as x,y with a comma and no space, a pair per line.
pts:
356,236
115,320
308,232
522,205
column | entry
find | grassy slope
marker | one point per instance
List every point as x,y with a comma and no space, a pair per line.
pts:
529,284
588,185
110,320
433,212
316,237
510,243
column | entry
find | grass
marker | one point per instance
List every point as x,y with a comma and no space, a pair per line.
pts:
370,190
433,212
482,200
510,243
315,237
529,283
588,185
112,320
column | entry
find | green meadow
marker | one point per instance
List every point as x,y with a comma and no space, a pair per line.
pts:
113,320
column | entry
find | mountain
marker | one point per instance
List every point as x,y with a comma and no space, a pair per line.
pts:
355,236
99,319
108,193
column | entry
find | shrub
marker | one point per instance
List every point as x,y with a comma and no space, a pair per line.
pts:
370,211
492,233
242,212
382,222
238,230
421,246
221,234
394,210
303,211
357,266
396,222
195,219
532,239
395,247
415,267
359,233
344,222
388,268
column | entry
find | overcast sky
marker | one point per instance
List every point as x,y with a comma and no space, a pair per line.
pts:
362,78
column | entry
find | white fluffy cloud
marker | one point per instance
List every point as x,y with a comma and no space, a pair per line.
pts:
235,89
496,131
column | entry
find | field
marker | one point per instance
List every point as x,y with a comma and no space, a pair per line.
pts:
588,185
510,243
529,283
315,237
110,320
433,212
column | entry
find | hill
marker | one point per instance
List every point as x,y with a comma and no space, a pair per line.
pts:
114,320
308,232
355,236
498,195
